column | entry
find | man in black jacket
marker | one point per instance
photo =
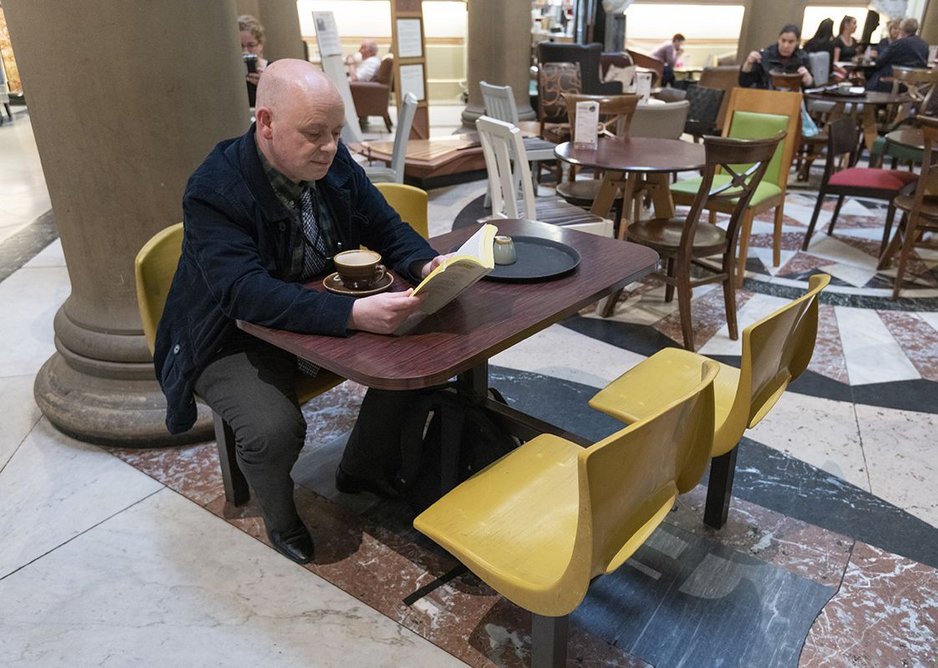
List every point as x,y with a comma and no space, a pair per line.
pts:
910,50
263,213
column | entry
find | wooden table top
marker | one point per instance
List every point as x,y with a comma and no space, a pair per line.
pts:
636,154
486,319
870,97
910,137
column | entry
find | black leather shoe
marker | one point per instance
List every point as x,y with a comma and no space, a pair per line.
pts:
295,544
350,484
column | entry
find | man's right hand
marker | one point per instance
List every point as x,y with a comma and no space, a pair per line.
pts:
384,313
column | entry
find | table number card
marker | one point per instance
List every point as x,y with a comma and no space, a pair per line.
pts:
585,133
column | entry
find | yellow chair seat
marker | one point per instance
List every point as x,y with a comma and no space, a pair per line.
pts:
685,191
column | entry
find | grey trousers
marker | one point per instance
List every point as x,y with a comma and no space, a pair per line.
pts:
252,385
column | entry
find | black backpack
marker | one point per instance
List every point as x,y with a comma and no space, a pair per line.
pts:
473,440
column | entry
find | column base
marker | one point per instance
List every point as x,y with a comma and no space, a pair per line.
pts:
127,413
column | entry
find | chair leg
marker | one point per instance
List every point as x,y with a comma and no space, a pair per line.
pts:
237,491
387,122
890,216
744,233
908,240
814,217
549,641
830,227
777,235
669,287
894,243
684,293
729,300
720,488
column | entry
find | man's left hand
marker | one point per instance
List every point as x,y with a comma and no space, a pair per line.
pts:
434,263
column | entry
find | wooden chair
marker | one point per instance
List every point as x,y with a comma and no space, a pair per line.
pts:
843,139
919,210
394,173
410,203
154,268
544,520
757,114
683,242
615,117
587,57
501,142
554,80
371,98
704,111
775,351
648,62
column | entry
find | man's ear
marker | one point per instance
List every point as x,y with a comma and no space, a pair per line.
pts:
262,118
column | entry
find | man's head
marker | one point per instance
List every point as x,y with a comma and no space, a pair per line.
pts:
908,27
678,41
368,48
300,115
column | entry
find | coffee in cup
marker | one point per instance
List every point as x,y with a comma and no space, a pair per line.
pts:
359,269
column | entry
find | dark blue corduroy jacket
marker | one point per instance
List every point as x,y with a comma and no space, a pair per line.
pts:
236,262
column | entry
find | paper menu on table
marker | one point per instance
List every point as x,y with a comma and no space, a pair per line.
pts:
585,133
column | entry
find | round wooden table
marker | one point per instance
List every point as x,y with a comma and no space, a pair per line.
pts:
869,100
640,158
908,138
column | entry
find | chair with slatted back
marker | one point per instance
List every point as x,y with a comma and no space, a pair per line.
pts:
395,172
539,524
918,227
776,350
756,114
154,268
684,242
501,142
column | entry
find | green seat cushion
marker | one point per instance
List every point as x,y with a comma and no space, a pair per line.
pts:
685,190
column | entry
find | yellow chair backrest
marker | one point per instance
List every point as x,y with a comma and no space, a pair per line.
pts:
410,203
629,480
775,351
154,268
775,103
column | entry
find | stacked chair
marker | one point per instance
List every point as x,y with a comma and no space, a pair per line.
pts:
918,227
843,140
154,268
395,172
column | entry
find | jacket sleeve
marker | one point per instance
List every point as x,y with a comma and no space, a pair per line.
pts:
753,78
218,240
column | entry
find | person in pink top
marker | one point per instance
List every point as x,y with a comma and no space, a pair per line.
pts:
670,54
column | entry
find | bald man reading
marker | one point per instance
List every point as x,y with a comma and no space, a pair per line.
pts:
265,212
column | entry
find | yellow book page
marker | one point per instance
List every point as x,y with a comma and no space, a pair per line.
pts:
473,260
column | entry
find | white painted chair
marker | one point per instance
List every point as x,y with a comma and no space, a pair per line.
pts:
395,173
500,104
500,142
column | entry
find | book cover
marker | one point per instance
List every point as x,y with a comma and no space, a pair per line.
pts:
473,260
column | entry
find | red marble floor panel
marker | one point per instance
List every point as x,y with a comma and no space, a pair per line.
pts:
802,262
191,470
828,359
917,271
868,246
708,315
918,340
885,614
791,241
875,220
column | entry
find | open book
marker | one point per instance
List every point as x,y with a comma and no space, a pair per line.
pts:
473,260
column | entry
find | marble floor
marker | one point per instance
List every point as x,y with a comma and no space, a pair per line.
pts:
829,558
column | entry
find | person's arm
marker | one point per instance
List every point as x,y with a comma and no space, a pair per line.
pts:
804,68
750,72
836,53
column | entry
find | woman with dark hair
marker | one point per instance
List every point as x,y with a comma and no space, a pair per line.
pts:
845,46
784,56
823,42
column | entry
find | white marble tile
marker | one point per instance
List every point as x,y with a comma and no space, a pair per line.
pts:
562,353
29,300
165,583
843,253
20,414
821,432
871,353
54,487
755,308
931,317
50,256
902,451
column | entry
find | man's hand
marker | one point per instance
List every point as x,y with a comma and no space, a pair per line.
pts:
384,313
433,264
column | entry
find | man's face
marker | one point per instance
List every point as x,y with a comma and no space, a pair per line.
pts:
787,42
304,136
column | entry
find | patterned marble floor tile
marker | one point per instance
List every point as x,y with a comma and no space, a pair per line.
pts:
828,359
918,340
708,316
872,354
883,615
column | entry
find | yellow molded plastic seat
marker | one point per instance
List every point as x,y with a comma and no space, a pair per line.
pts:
410,203
154,268
757,114
775,351
541,522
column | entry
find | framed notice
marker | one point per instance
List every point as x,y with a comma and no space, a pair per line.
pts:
412,81
409,38
327,34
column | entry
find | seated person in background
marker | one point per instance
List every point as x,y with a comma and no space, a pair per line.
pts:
784,56
368,67
670,54
252,44
909,50
893,32
845,46
823,42
265,212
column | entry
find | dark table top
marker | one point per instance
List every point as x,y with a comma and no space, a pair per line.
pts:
910,137
870,97
636,154
483,321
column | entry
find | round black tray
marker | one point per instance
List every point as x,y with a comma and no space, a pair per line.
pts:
538,260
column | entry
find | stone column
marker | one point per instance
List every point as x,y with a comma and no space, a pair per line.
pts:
499,52
929,29
762,21
126,97
281,27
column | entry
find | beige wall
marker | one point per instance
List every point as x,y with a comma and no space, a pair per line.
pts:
763,20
